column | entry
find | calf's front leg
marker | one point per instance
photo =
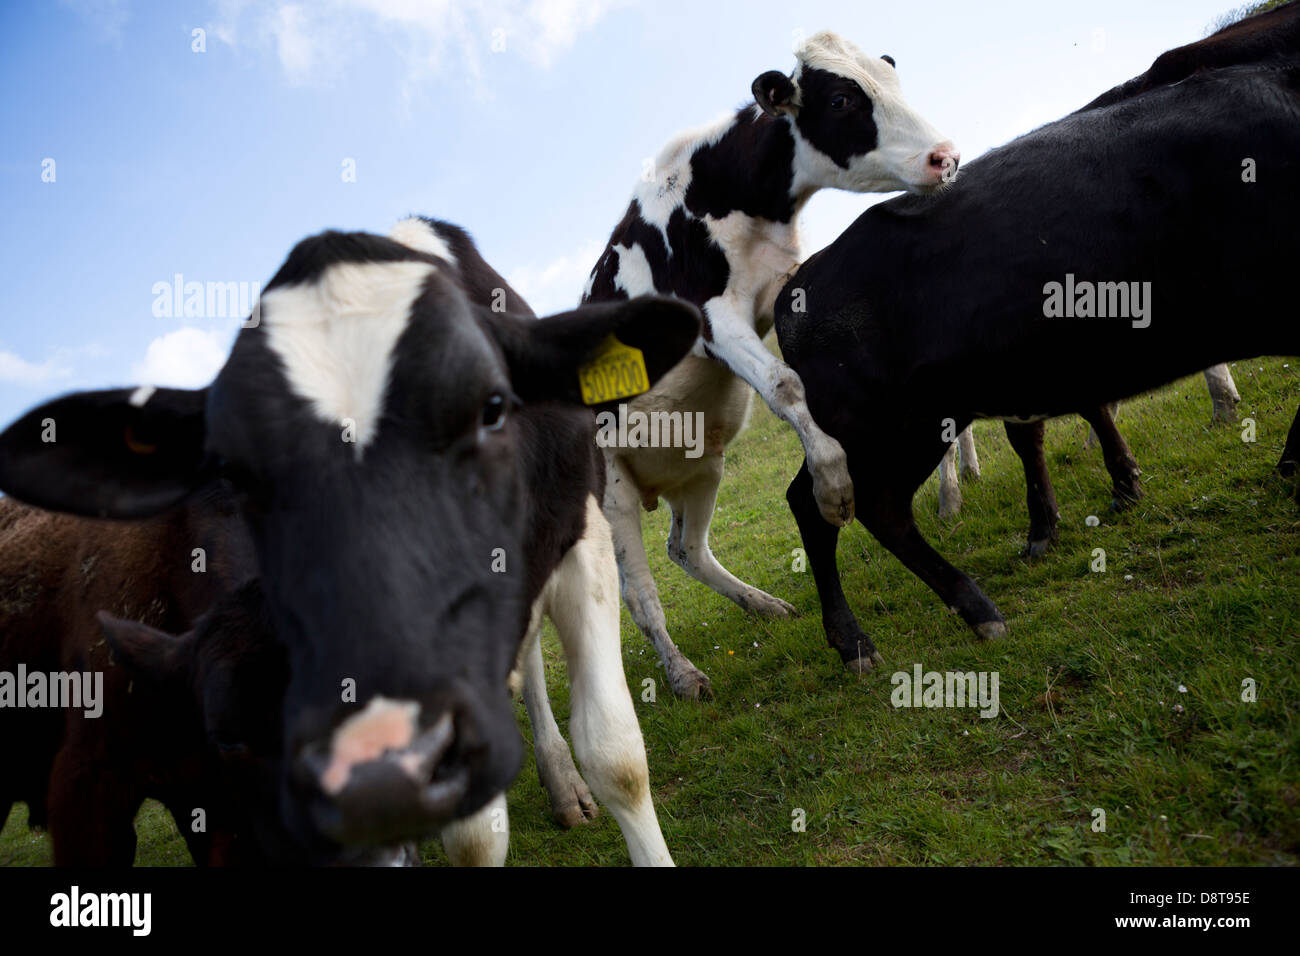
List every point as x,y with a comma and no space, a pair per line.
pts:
582,601
737,345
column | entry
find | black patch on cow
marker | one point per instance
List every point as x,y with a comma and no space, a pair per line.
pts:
479,280
750,169
839,133
691,266
312,256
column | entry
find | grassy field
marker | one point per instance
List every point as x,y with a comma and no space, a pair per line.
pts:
1120,691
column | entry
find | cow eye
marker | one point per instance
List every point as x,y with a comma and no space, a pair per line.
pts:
839,101
493,416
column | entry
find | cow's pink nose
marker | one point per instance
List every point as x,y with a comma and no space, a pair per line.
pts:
943,160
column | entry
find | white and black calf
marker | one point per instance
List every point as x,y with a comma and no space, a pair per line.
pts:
716,226
417,473
934,307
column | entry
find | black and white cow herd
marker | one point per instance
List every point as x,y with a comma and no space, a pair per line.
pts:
395,476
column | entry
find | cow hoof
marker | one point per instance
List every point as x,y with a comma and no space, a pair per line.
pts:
764,605
690,683
864,663
991,630
834,495
1288,469
1037,549
576,805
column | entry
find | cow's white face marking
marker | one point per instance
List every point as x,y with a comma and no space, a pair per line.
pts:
141,396
383,725
420,236
905,140
336,336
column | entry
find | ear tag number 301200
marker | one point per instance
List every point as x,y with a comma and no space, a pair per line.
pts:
614,371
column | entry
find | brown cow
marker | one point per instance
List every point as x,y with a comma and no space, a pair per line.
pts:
86,777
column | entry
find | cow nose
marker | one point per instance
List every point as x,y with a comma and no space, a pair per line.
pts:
385,777
943,161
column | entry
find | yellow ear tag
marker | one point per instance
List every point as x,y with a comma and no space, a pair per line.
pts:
614,371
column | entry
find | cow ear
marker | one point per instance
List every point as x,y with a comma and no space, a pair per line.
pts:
774,92
113,454
545,355
149,654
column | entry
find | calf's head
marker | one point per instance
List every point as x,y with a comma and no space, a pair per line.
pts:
853,129
373,424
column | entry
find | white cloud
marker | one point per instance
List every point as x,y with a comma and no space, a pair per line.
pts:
312,41
16,370
185,358
556,286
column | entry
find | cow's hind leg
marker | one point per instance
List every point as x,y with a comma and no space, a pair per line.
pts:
1027,442
949,490
622,508
1223,394
688,543
970,459
820,538
1126,486
571,800
582,601
890,519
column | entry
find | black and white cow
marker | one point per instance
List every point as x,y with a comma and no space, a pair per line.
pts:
716,225
938,308
418,477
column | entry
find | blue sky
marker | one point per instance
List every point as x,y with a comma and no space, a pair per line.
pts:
526,121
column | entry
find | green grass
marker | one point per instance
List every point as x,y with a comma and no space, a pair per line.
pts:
1089,676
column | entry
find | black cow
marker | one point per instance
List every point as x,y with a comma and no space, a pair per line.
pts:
1259,38
415,470
937,308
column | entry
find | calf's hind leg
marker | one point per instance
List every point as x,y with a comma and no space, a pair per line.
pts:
1289,463
571,800
622,508
1126,487
1027,442
688,543
889,517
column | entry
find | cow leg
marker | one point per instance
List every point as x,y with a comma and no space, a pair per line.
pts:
890,519
1091,440
1289,464
820,538
622,508
1223,393
949,490
582,602
481,839
737,345
1126,487
91,815
571,800
970,460
688,543
1027,442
